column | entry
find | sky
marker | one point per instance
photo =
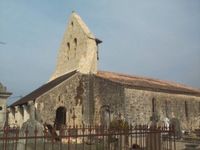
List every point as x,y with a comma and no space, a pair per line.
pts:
158,39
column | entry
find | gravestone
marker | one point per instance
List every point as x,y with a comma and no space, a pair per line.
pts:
175,123
153,139
34,128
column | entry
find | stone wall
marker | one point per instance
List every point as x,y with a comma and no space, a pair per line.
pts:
11,116
185,108
109,94
18,115
136,106
78,50
86,96
72,95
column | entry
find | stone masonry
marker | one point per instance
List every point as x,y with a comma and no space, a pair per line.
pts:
78,93
78,50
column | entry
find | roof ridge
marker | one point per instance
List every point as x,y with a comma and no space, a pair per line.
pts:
156,81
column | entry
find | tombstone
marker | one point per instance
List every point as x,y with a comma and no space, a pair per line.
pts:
153,120
34,128
175,123
166,122
153,139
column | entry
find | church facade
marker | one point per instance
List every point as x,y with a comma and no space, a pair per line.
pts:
77,93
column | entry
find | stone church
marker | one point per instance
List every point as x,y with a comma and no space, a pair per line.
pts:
78,92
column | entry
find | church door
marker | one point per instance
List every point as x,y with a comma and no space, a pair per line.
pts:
60,117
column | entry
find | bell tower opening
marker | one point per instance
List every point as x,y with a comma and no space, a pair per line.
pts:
78,49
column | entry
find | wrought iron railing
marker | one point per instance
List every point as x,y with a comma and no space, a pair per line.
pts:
87,137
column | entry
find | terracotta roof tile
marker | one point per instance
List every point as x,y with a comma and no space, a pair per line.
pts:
132,81
148,83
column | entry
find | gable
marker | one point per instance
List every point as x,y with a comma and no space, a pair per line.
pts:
43,89
78,50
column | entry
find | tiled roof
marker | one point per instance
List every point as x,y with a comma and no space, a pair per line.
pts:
44,88
148,83
131,81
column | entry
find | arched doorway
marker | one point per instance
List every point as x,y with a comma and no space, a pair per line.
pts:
60,119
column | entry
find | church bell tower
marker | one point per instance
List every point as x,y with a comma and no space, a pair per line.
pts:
78,50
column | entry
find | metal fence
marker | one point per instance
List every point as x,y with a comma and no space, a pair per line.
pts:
139,137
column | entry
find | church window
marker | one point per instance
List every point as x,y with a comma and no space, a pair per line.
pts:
186,110
75,45
166,108
68,45
75,42
199,107
59,98
153,104
68,49
72,24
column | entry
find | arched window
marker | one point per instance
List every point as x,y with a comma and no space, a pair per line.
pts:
68,50
153,105
186,110
75,46
68,46
75,42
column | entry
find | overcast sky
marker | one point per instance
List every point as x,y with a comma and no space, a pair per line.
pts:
152,38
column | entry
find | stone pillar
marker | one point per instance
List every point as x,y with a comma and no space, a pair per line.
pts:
26,112
31,110
4,94
19,115
2,114
11,116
